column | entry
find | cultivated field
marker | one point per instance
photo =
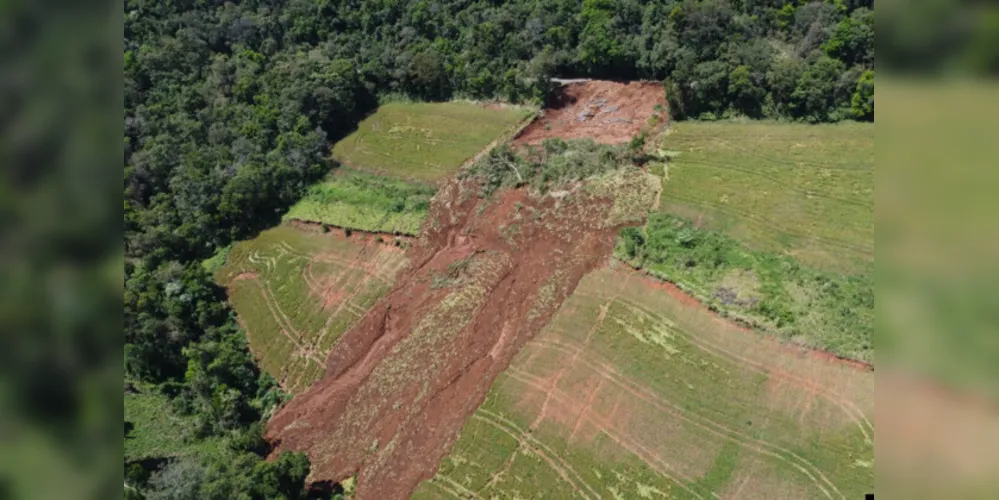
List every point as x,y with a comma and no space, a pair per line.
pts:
425,141
367,202
807,190
297,291
635,391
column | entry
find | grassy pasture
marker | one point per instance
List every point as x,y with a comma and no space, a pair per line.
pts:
295,292
771,292
367,202
159,432
633,392
804,190
424,141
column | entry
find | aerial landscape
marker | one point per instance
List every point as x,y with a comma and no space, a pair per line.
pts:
447,261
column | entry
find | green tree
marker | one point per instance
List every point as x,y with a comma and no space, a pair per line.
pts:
863,98
813,98
603,48
853,40
428,75
746,95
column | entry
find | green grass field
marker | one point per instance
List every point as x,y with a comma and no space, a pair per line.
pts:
425,141
158,432
367,202
633,392
803,190
295,292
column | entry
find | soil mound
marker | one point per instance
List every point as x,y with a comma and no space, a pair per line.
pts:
607,112
485,276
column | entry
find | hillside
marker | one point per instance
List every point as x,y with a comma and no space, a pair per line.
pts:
635,391
236,112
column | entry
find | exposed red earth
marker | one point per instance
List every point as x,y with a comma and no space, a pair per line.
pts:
485,277
607,112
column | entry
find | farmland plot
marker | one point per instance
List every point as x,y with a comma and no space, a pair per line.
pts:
357,200
296,292
804,190
634,391
425,141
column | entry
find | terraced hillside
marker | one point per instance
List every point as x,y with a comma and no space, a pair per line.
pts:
297,291
635,391
804,190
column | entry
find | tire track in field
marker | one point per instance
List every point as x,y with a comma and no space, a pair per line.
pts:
361,286
589,335
815,163
307,353
787,185
606,428
442,487
556,462
457,487
285,326
841,402
305,346
603,369
357,263
750,217
495,477
367,266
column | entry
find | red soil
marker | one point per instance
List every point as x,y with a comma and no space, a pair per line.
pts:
607,112
401,383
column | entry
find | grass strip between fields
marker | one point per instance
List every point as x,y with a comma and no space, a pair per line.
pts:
768,291
365,202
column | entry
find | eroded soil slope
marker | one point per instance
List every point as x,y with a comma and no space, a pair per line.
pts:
607,112
485,277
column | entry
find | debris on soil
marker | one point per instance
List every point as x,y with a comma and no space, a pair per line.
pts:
607,112
730,297
342,232
401,383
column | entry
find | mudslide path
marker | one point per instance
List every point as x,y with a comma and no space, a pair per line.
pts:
485,276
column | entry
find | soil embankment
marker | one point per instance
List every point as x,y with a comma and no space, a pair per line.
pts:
607,112
485,277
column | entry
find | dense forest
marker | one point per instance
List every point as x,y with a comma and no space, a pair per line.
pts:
230,109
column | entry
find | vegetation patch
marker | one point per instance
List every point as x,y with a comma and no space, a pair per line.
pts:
771,292
295,292
357,200
154,430
802,190
425,141
549,167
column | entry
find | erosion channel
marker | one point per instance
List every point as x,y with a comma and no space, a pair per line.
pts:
485,276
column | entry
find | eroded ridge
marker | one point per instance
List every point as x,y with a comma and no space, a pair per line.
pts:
485,277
